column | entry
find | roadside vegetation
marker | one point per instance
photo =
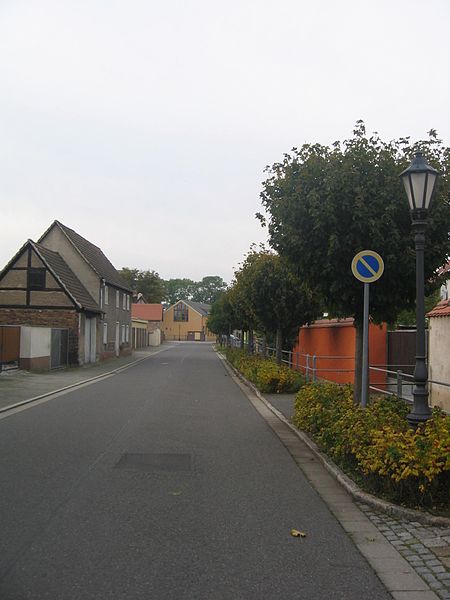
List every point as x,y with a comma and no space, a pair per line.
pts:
376,447
268,377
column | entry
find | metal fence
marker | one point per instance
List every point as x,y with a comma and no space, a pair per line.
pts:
398,382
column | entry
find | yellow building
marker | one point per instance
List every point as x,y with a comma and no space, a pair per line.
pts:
187,321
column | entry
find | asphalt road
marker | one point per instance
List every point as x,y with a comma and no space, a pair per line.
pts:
163,482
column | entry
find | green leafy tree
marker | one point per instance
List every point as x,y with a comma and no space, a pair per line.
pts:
179,289
278,300
324,204
130,276
222,318
208,289
148,283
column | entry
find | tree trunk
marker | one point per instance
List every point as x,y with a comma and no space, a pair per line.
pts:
279,346
250,341
242,338
264,347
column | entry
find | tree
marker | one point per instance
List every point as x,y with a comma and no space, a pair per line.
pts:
179,289
208,289
130,276
325,204
222,319
148,283
279,302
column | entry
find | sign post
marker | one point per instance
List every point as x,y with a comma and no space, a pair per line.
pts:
367,266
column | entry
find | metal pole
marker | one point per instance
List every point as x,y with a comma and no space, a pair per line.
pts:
420,411
365,348
314,367
399,384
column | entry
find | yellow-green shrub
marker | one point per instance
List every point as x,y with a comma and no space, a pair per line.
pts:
264,373
377,445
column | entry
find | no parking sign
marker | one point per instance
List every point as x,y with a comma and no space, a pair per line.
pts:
367,266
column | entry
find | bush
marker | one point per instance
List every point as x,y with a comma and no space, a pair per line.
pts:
377,446
265,373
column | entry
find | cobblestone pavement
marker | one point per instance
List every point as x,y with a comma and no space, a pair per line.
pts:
425,547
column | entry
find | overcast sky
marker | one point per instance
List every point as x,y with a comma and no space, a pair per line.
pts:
146,125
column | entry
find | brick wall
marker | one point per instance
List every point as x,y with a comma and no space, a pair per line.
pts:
65,319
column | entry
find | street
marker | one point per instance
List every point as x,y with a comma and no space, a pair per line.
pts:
163,482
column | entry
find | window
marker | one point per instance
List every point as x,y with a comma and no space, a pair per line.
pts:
124,303
117,299
106,294
36,279
123,334
105,333
128,302
181,312
127,333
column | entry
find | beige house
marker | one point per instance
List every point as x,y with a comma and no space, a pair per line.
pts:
187,321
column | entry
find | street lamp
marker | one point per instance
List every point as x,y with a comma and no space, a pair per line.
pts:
419,180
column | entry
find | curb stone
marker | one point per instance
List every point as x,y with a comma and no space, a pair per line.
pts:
77,384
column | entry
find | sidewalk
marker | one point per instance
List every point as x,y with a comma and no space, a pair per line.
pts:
19,386
425,547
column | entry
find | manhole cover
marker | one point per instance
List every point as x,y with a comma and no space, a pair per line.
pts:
155,462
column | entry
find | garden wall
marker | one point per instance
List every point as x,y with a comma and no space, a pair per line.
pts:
333,341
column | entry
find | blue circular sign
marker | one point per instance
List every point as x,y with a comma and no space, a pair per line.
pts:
367,266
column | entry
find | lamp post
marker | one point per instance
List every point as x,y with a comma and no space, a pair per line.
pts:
419,180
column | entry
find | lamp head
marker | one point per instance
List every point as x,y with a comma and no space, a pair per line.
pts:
419,180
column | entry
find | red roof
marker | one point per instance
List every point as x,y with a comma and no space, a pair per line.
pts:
440,310
149,312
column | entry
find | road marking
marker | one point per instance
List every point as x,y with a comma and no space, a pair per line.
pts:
7,411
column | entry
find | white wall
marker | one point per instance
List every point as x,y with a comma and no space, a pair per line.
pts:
35,342
439,361
155,338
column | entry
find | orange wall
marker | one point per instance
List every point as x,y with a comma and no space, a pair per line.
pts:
336,340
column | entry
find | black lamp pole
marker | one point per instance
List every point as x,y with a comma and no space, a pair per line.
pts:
419,180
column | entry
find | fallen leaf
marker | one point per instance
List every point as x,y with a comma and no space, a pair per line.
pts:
297,533
176,493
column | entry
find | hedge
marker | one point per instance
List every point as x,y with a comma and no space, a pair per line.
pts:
376,445
265,373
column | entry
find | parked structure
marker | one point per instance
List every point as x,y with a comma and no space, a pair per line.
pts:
69,301
146,322
187,321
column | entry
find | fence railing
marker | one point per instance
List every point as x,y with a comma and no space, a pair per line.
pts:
398,383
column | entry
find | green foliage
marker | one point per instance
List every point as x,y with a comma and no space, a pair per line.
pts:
148,283
209,289
269,297
376,445
325,204
179,289
264,373
408,317
222,319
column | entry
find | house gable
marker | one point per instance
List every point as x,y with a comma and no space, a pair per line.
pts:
77,250
39,278
29,282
